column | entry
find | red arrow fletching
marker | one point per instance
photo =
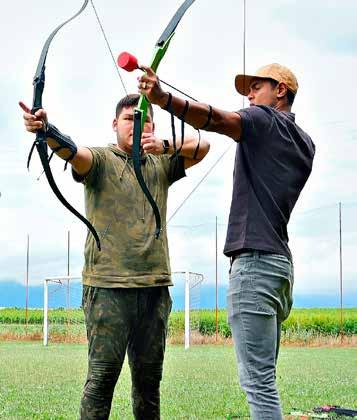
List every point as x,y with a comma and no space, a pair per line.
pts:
127,61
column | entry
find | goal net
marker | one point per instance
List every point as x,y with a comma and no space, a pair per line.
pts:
63,318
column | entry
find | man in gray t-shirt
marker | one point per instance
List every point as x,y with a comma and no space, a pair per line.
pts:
273,161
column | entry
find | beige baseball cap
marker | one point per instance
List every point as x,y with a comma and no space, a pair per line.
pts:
273,71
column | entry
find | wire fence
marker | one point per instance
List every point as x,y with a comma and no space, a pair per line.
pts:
323,243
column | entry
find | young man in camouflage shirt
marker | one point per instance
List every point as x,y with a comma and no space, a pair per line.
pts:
125,285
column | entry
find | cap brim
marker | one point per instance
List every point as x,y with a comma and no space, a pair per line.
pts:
242,83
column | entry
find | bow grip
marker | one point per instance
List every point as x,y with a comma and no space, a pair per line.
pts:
38,87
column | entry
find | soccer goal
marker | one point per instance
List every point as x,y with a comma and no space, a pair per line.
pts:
63,318
62,314
191,284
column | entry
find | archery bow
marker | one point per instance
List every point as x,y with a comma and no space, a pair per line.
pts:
140,111
40,141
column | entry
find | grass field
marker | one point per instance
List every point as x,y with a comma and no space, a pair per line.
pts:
201,383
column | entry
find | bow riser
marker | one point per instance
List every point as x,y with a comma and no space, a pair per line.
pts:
38,87
159,54
140,113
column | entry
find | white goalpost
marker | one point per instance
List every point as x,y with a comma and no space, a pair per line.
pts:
64,294
192,293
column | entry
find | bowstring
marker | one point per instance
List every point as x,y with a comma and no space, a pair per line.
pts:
122,82
228,148
108,45
198,184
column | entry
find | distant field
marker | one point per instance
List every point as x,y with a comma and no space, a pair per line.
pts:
303,326
201,383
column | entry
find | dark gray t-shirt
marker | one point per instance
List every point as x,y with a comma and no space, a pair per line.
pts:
273,162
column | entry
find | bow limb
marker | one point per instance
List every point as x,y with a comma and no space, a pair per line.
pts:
141,110
40,141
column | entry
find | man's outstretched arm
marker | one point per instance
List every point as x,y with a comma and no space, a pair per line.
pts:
82,158
199,115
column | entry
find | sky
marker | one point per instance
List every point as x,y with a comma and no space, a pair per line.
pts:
317,40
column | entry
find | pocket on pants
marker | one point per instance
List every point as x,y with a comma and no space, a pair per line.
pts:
238,287
272,282
252,289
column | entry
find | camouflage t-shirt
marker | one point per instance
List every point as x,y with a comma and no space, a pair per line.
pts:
124,220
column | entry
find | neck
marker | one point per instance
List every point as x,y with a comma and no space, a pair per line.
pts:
126,150
282,106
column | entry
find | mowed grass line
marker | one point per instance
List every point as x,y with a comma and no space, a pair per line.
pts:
201,383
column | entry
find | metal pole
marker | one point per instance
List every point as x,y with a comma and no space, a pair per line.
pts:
68,250
187,310
68,262
27,279
341,288
45,313
216,281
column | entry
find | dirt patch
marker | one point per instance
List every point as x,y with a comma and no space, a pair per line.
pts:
195,339
321,341
324,341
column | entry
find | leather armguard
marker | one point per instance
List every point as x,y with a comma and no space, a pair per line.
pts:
64,141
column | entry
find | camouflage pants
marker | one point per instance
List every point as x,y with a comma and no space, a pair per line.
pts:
120,320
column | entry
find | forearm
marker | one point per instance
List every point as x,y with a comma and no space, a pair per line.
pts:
202,116
65,148
60,143
196,114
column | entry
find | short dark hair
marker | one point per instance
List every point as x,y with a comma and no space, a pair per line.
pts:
128,102
290,95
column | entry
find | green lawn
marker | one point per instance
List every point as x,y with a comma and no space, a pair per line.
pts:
201,383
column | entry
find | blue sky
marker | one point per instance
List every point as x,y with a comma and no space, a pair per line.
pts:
317,40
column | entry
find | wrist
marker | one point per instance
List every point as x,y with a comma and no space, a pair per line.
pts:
165,147
164,98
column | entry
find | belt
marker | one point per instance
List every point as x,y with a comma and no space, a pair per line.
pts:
247,252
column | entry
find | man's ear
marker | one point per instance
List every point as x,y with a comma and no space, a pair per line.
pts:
282,90
115,124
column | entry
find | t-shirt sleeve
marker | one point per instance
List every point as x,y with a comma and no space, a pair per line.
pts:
92,177
255,121
174,167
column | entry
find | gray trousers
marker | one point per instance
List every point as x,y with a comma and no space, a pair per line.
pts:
259,299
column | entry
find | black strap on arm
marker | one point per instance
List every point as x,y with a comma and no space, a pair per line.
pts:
64,141
209,117
167,107
182,118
